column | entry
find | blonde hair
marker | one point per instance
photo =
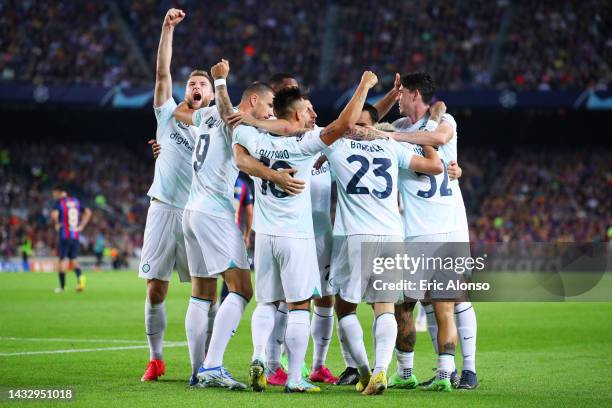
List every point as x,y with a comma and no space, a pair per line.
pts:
200,72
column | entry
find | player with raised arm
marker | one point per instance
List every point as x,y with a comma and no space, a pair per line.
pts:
367,180
285,250
163,245
210,213
434,212
69,219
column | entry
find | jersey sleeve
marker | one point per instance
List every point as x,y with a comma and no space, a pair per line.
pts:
163,113
448,118
201,115
401,123
246,136
310,143
404,155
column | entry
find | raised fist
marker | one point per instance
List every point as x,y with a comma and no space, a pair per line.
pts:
220,69
173,17
369,79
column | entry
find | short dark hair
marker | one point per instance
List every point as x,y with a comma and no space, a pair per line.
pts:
258,88
58,187
421,81
284,100
279,77
372,111
201,72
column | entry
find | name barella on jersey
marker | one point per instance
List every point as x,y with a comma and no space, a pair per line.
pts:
213,166
366,175
172,179
276,212
432,204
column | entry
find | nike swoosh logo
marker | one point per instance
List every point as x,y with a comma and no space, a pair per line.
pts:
323,338
467,338
280,343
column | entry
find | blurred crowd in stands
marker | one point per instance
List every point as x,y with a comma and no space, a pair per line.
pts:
110,179
547,196
477,44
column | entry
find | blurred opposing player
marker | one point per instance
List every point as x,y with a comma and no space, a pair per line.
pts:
163,245
69,219
435,212
244,200
285,250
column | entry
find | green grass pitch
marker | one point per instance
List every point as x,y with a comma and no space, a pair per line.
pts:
529,354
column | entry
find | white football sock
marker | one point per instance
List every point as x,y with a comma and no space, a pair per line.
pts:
226,323
296,341
155,325
212,313
432,326
277,338
346,355
385,335
262,325
465,317
446,366
196,322
351,334
321,331
405,363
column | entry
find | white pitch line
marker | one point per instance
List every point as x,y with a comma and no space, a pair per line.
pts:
31,353
64,340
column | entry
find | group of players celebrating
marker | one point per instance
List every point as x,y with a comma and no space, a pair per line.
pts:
271,135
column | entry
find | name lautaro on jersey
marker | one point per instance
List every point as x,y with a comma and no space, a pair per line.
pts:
274,154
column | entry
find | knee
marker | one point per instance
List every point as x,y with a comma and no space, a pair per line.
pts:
344,308
325,301
239,281
303,305
204,288
156,291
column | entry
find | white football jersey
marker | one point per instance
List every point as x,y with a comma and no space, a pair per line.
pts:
320,197
432,204
366,175
172,178
213,166
276,212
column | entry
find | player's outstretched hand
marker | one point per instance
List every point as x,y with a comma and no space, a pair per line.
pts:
220,70
173,17
369,79
454,171
398,82
437,110
290,185
320,162
155,148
